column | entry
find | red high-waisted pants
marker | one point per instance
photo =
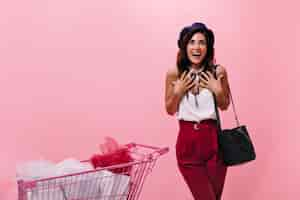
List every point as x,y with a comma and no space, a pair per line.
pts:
199,160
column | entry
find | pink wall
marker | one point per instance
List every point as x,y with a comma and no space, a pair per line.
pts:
75,71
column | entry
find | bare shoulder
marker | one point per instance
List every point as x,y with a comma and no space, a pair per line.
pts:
172,73
221,70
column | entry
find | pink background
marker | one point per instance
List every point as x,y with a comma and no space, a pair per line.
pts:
75,71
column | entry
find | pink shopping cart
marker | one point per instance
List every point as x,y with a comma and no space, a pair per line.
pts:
115,182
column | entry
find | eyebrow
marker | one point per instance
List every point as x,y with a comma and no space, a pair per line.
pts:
199,40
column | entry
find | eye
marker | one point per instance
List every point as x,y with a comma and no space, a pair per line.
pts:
202,42
191,41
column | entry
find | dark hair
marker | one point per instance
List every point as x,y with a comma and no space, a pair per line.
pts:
186,34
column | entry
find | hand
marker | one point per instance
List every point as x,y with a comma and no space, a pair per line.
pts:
183,84
208,81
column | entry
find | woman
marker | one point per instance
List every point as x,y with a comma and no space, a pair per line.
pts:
190,91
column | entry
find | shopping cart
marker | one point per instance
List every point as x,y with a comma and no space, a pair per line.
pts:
115,182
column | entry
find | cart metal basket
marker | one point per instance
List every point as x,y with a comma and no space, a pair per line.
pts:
115,182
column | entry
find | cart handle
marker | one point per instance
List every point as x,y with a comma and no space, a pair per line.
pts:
159,150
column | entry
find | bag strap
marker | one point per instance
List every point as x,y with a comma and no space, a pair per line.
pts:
216,107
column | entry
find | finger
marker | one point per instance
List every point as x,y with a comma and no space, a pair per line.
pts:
201,79
209,74
191,85
203,85
205,75
188,80
183,75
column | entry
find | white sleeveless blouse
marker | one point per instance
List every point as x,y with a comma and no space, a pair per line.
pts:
188,110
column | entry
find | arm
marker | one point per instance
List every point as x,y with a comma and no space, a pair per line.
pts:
171,99
222,92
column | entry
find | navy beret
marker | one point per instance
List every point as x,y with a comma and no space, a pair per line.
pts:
197,26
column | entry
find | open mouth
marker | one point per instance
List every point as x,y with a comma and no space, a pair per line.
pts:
196,55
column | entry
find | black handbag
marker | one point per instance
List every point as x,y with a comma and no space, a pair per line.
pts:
235,144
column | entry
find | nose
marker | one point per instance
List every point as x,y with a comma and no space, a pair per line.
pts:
197,46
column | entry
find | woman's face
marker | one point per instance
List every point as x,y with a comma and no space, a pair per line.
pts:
196,49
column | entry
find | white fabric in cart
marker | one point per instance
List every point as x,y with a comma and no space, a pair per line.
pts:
102,183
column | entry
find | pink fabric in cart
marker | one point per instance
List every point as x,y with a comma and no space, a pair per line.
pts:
112,154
